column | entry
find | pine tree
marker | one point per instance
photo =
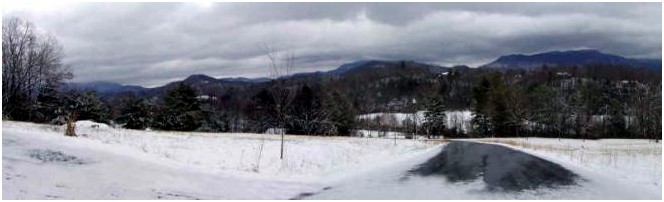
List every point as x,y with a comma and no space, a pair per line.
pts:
212,121
137,115
341,113
434,117
49,107
481,104
306,113
86,106
502,119
493,115
539,107
181,110
262,111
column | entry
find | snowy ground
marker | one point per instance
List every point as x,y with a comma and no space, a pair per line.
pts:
634,161
106,163
379,134
638,181
458,119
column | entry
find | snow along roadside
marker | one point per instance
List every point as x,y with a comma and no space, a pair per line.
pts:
606,182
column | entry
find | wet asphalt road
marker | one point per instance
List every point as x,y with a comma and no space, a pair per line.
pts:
501,168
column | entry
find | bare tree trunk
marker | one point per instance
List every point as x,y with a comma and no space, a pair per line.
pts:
282,95
282,146
395,137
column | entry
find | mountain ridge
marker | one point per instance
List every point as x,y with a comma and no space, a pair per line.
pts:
581,57
512,61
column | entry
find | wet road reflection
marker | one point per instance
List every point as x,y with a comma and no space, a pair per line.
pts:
501,168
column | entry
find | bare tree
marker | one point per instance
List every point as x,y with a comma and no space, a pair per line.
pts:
647,104
31,63
283,95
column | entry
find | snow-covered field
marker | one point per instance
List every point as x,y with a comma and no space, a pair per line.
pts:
378,134
458,119
106,163
39,162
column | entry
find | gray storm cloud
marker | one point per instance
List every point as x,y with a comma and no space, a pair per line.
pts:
153,43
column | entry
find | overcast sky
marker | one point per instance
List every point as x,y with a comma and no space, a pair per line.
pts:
154,43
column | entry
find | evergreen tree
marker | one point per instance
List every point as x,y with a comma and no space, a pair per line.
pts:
539,107
341,114
481,124
49,107
503,121
212,121
306,113
262,112
137,115
181,110
616,127
86,106
434,117
493,114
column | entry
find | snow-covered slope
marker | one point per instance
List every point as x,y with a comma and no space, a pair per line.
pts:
106,163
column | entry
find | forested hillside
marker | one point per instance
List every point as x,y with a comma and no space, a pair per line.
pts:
576,94
594,101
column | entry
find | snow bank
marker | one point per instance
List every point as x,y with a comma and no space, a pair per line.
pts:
91,125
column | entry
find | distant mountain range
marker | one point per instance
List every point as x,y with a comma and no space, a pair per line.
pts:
569,58
102,87
514,61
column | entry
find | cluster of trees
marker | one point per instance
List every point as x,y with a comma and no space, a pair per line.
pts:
31,70
32,79
600,101
32,76
596,101
310,110
180,109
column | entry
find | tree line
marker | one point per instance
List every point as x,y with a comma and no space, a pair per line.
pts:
596,101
